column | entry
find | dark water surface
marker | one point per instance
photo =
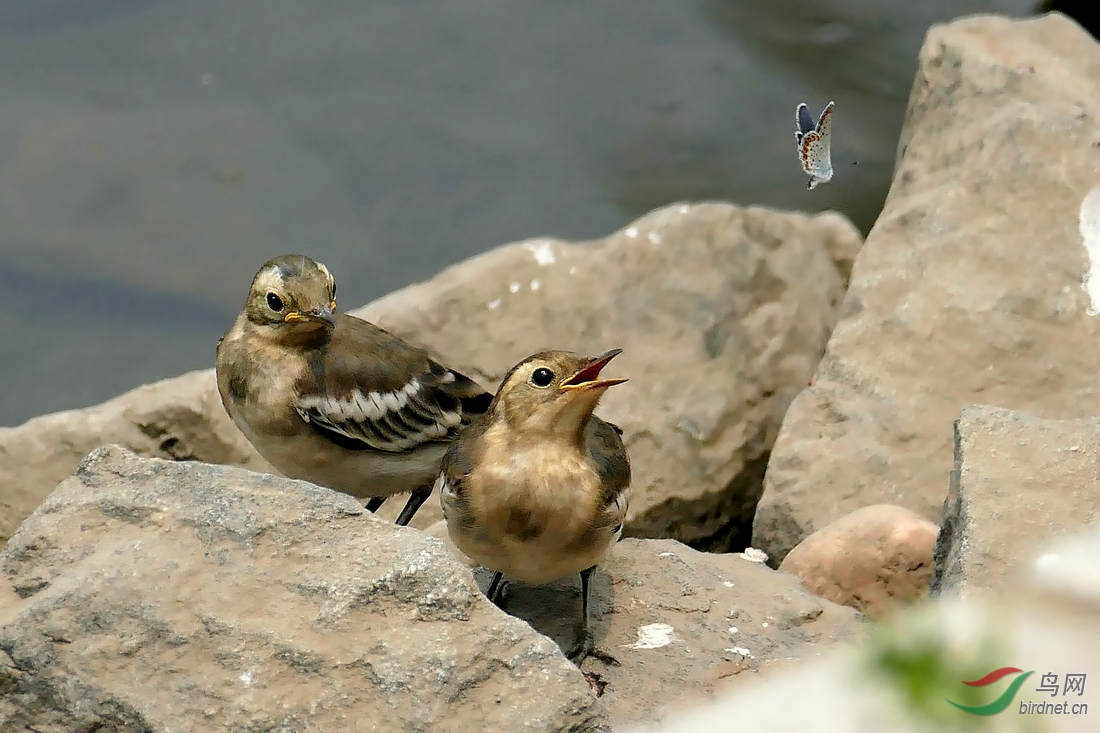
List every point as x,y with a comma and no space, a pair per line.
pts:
153,154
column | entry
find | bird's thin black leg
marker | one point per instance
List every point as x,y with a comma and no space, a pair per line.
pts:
585,645
495,593
374,503
497,586
416,498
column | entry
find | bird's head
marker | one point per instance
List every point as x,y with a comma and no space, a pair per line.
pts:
554,392
292,298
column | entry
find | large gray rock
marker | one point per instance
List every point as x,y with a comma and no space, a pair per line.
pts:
1018,481
969,288
178,419
683,624
723,313
147,595
167,596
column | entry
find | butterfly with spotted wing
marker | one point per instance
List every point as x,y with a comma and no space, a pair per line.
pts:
813,144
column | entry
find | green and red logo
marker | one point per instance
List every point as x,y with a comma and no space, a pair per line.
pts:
1001,702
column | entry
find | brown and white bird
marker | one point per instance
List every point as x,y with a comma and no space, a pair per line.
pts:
537,488
335,400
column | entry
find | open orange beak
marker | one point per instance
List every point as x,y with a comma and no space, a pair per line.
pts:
587,377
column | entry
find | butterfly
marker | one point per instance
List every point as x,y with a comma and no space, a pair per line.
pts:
813,144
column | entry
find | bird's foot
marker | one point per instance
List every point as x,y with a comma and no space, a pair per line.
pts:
374,503
585,647
597,683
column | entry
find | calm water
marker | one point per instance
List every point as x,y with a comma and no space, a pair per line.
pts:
153,154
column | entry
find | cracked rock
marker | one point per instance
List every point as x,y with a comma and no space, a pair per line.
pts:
148,595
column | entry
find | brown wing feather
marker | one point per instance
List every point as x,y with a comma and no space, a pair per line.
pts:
368,389
454,470
607,452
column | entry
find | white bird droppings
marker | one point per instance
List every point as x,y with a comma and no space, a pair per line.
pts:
632,232
733,629
654,237
1090,232
493,305
754,555
727,583
513,288
667,554
543,252
535,285
739,650
246,677
684,209
765,624
653,636
573,270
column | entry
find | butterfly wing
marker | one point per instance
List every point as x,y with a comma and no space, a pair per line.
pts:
807,148
825,129
815,149
803,122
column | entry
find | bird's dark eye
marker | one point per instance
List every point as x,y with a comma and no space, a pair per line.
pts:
334,291
542,377
274,302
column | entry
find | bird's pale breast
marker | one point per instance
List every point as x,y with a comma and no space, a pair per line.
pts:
536,512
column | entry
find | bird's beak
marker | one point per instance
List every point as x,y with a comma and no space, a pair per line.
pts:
321,314
587,377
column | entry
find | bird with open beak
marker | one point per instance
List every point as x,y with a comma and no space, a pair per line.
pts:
537,488
335,400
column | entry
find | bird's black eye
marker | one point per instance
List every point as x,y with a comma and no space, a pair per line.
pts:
274,302
334,291
542,377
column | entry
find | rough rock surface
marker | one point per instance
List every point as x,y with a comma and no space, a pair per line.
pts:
168,596
180,419
147,595
969,287
875,559
1018,481
713,621
900,679
723,312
